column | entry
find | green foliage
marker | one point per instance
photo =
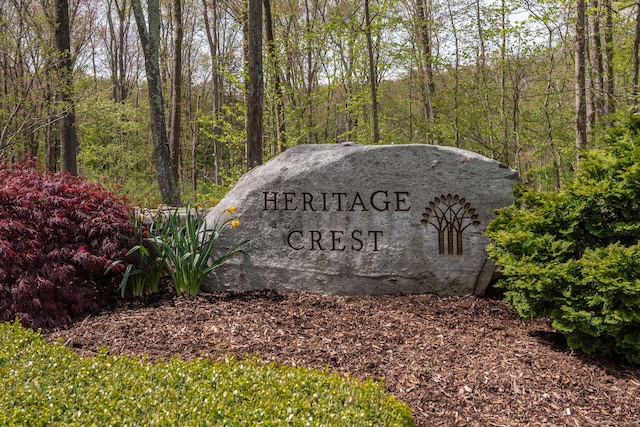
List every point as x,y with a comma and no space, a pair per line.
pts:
227,128
147,262
574,255
210,192
115,150
187,244
604,303
48,384
177,244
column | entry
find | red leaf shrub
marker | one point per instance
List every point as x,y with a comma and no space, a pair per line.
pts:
58,235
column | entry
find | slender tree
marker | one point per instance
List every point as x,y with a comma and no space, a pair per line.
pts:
636,59
255,86
546,108
609,83
117,47
68,132
312,47
176,91
424,30
211,30
503,85
596,60
150,41
20,82
580,78
373,75
456,76
279,122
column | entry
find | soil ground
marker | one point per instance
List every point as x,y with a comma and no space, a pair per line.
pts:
456,361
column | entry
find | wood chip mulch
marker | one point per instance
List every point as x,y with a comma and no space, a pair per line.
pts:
457,361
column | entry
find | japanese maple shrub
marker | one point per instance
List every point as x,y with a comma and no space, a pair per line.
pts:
58,236
574,255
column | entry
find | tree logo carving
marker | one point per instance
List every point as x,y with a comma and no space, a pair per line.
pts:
450,215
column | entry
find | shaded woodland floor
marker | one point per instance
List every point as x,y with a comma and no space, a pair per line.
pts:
457,361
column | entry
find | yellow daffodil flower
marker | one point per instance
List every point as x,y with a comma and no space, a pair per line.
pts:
235,223
231,210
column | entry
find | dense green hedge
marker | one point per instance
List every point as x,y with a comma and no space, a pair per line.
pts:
573,255
48,384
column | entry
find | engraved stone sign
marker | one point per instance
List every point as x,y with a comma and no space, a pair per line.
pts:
360,219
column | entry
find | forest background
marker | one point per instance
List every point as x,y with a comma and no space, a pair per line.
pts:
173,100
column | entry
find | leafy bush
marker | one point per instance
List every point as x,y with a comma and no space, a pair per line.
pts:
58,235
175,244
147,261
115,150
207,191
186,243
48,384
573,255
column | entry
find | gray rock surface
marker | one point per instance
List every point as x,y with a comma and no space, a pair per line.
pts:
361,219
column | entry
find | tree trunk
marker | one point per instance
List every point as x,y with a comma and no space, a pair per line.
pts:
195,130
64,97
373,76
424,26
51,136
503,86
481,56
311,78
216,80
255,86
597,81
547,112
150,40
280,128
176,87
580,83
117,49
311,81
636,58
456,76
609,83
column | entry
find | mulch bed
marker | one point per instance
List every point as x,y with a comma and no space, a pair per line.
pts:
457,361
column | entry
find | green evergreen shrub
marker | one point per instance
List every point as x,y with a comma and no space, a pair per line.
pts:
50,385
574,255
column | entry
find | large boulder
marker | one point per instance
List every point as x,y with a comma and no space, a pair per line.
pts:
364,219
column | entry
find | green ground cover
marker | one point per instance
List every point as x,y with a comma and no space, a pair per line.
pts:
49,384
